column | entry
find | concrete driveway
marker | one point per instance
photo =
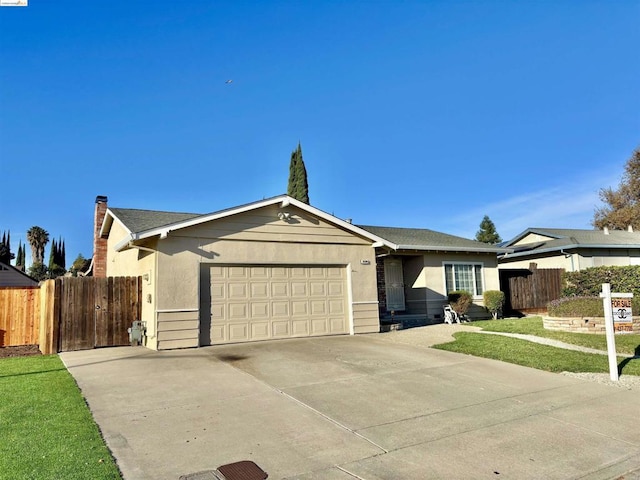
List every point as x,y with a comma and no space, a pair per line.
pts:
362,407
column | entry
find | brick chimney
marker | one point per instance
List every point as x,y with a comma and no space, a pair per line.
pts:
99,244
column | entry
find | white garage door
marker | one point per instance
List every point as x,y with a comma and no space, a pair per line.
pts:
261,302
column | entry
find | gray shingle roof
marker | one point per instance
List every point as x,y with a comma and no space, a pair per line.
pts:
424,239
142,220
569,236
573,238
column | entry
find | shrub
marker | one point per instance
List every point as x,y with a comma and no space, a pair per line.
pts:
589,282
460,301
583,307
494,301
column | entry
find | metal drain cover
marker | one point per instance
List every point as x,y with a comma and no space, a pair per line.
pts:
244,470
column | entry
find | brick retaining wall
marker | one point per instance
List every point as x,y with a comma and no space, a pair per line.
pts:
582,324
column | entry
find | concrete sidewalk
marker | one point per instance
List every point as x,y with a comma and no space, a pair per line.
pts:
442,333
353,407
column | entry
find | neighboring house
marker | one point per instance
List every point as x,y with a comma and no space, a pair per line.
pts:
571,249
12,277
279,268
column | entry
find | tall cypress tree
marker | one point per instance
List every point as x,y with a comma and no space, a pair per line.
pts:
63,255
298,187
5,248
20,258
52,254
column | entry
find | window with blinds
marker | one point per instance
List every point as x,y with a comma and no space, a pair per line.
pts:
464,276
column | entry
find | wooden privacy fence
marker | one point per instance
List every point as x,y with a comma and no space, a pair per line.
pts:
529,290
19,315
72,313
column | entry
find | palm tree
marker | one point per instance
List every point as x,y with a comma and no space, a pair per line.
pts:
38,238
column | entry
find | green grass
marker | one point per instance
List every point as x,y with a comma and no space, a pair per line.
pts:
625,344
46,428
529,354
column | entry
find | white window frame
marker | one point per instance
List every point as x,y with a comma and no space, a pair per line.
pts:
475,286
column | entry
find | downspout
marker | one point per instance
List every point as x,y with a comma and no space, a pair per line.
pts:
568,255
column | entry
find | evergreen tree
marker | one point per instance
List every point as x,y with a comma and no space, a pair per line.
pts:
20,258
38,271
298,187
63,256
487,232
5,248
622,206
52,254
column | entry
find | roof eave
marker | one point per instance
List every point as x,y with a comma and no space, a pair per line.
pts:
284,200
107,223
539,231
453,249
569,247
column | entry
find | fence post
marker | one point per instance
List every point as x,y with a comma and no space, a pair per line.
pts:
49,312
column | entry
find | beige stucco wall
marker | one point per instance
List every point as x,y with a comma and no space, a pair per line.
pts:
552,260
425,289
532,238
433,279
135,262
256,237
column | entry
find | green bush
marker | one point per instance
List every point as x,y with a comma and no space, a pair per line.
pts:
589,282
584,307
460,301
494,301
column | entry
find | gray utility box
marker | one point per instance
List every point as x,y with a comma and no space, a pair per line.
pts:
136,331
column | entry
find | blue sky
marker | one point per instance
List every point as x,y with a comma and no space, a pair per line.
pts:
424,114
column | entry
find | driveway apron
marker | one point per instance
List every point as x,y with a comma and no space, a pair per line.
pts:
353,407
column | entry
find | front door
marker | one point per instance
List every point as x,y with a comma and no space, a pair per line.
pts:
394,284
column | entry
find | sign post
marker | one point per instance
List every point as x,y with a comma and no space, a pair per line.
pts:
617,318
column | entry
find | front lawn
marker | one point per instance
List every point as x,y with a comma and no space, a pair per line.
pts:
625,344
535,355
47,430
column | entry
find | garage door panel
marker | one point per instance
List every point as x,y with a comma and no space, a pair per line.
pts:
300,328
336,289
259,290
281,328
238,272
279,272
316,272
319,326
218,333
318,307
299,289
238,290
336,307
299,308
259,272
298,272
217,272
259,310
280,289
337,325
334,272
238,311
218,291
218,313
260,331
317,289
260,302
280,309
238,332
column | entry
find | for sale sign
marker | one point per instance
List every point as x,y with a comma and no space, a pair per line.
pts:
622,315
